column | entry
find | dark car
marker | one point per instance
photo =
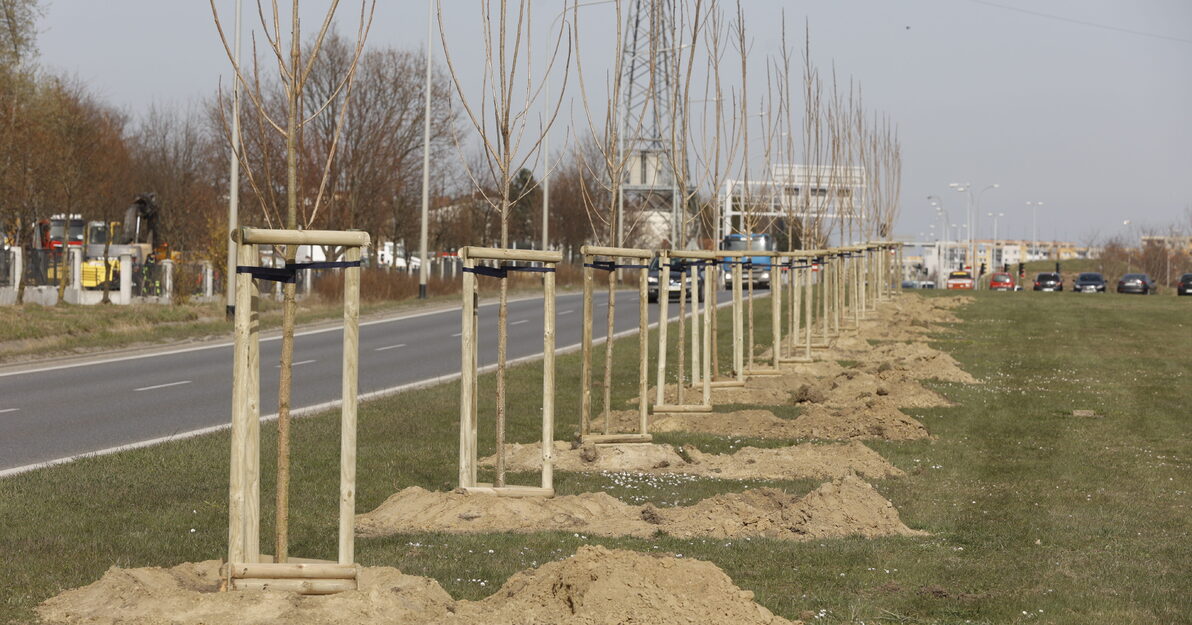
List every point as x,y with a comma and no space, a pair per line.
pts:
1090,282
1185,285
677,269
1049,281
1137,283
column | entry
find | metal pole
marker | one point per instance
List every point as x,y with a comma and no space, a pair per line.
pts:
424,265
234,182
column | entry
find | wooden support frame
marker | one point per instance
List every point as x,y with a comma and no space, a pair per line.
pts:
245,569
471,258
701,330
748,368
590,254
800,318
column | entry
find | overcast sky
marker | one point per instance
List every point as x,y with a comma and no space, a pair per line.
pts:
1085,105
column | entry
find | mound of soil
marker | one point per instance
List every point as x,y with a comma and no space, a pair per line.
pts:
843,507
416,509
876,421
781,463
919,361
596,585
187,594
599,585
881,381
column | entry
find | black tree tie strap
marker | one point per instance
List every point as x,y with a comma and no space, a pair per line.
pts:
289,273
608,265
503,271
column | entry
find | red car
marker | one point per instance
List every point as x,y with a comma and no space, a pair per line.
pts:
1001,282
960,280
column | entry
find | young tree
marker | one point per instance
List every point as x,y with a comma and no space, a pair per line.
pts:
294,73
502,121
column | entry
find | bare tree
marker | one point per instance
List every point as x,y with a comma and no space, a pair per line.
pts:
503,124
293,74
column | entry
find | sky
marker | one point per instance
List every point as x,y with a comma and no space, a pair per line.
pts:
1083,105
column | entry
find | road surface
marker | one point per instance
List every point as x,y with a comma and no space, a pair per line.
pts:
55,412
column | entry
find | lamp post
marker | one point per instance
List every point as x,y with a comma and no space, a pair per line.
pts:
1034,228
423,228
938,204
993,255
973,206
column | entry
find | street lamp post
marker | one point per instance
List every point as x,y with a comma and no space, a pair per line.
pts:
993,255
973,206
1034,228
938,204
423,229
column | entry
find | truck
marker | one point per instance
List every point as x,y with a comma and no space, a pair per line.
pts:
758,271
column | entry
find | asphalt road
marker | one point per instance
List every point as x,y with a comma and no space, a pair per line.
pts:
53,413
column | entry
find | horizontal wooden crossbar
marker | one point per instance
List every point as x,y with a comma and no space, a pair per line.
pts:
509,491
300,586
609,439
619,252
269,236
292,570
491,253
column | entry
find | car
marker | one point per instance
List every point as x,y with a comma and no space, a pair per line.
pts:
1049,281
1136,283
910,284
678,267
1001,282
959,280
927,284
1089,282
1184,287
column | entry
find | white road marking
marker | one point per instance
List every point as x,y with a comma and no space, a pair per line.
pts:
381,349
520,322
457,334
567,312
300,362
9,410
157,386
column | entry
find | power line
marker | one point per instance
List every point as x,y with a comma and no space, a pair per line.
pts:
1070,20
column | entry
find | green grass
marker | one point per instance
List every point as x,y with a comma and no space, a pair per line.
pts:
1035,515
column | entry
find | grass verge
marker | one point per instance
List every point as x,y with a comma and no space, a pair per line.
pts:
1035,515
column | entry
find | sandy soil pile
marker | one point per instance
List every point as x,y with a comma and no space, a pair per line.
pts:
599,585
876,421
187,595
843,507
781,463
596,585
880,381
917,360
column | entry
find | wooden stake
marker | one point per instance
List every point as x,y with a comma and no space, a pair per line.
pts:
467,382
585,366
347,424
775,311
548,377
606,408
738,325
663,303
643,349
